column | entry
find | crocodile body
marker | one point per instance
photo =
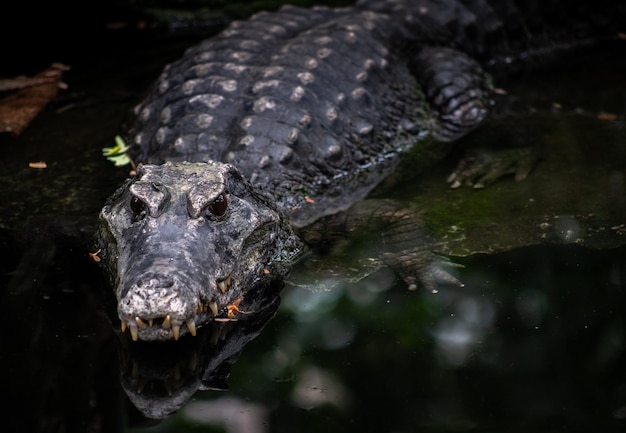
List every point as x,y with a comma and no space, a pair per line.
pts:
312,106
273,124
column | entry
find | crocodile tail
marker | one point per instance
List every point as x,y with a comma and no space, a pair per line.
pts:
500,31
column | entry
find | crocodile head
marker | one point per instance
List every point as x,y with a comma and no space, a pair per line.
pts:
183,243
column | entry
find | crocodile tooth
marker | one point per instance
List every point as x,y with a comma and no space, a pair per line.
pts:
140,323
123,326
192,326
134,332
222,286
176,330
150,322
200,307
213,307
167,322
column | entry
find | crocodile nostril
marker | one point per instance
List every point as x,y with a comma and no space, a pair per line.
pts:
155,282
161,282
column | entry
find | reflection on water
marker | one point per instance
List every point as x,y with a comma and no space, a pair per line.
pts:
534,340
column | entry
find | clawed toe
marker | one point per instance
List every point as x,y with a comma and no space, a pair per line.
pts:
437,273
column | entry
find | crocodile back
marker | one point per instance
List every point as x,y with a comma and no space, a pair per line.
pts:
311,105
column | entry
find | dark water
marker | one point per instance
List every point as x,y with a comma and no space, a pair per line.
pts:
535,341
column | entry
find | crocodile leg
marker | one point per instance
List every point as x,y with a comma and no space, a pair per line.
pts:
480,167
457,89
459,93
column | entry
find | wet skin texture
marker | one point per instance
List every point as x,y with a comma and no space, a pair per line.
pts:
277,123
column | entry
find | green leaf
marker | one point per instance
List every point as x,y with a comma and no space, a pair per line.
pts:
117,154
119,160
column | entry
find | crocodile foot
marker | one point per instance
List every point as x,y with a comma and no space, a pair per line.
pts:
481,167
421,272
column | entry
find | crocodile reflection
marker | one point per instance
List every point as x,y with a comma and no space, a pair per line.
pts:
159,378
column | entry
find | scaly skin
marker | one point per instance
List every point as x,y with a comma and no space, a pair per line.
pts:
277,122
314,107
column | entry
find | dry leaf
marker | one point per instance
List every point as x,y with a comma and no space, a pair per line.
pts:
38,164
19,108
22,82
603,115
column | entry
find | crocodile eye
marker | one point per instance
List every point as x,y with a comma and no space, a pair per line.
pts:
218,207
138,207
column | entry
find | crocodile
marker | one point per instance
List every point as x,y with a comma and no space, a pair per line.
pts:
283,121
